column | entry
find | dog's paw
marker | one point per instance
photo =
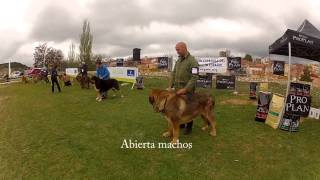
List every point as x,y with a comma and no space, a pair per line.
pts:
204,128
97,98
166,134
174,141
213,133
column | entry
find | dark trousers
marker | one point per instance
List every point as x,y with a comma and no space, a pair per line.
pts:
55,81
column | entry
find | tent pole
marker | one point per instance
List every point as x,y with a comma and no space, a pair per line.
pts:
9,68
289,72
288,86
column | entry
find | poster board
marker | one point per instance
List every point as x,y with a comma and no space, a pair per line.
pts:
225,82
212,65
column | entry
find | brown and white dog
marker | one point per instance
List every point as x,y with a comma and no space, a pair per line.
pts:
178,109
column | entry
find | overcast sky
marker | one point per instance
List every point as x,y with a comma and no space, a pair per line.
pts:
243,26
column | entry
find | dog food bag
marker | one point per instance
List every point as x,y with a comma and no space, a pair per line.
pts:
274,114
290,123
263,106
253,90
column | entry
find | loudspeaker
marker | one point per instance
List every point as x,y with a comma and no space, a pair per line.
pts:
136,54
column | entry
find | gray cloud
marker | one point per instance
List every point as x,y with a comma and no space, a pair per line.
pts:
55,23
155,26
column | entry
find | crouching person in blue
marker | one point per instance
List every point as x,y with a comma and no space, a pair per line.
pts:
102,73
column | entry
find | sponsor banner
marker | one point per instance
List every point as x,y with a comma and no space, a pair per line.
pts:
225,82
72,71
205,81
163,62
234,63
120,62
125,74
212,65
298,100
314,113
299,89
278,68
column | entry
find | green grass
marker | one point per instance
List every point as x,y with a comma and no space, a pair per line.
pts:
71,136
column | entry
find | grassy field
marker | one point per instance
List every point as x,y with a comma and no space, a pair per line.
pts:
71,136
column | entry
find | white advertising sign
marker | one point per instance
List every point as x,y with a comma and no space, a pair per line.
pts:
212,65
72,71
126,74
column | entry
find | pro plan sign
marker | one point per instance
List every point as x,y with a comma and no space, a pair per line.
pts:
205,81
120,62
298,105
163,62
299,100
278,68
234,63
226,82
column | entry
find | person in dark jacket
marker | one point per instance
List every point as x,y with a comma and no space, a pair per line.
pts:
54,78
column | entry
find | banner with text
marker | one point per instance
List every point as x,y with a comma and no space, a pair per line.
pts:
234,63
125,74
72,71
298,100
212,65
225,82
205,81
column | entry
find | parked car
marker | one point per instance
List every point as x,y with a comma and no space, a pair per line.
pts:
16,74
33,71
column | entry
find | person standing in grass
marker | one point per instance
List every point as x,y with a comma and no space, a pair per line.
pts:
54,78
102,73
184,77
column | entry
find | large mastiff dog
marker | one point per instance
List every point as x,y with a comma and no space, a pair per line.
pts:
179,109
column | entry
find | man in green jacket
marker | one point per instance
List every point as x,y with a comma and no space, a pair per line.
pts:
184,77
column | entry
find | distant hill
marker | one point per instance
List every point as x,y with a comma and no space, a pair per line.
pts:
15,66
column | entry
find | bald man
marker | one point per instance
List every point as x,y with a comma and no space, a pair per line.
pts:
184,77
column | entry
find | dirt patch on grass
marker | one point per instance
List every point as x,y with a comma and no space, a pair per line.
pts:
239,102
3,98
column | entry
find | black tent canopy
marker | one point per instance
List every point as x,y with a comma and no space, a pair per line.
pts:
305,43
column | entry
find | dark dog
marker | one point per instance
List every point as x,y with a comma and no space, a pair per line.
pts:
103,86
84,81
178,109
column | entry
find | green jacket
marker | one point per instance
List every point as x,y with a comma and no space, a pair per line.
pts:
181,76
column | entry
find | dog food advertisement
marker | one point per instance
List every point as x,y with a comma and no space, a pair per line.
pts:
298,100
205,81
225,82
159,90
234,63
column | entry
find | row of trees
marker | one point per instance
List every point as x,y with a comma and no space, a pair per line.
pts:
45,56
